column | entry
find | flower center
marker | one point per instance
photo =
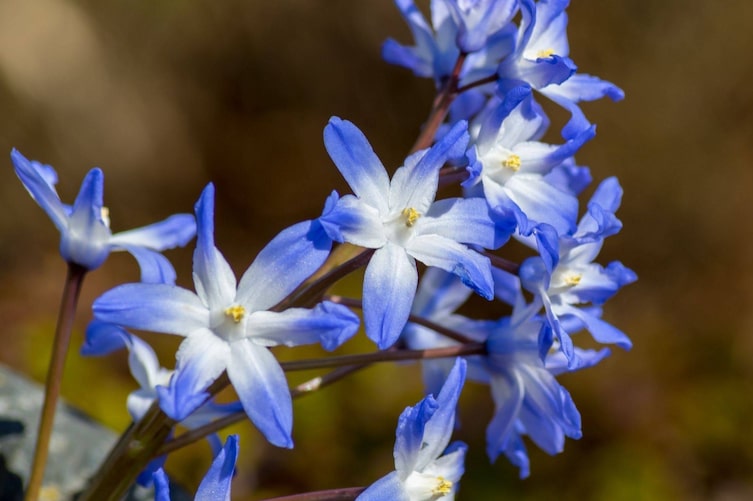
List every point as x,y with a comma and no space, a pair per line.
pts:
236,312
443,486
543,54
512,162
411,215
573,279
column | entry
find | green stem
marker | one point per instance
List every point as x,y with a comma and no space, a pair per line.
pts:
71,291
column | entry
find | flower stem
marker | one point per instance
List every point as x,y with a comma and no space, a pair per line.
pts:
440,107
385,356
71,290
343,494
302,389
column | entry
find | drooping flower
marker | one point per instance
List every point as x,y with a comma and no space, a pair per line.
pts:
401,220
425,468
85,236
216,483
229,327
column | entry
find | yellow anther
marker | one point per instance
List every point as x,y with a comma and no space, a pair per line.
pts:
542,54
512,162
444,486
104,212
236,312
573,279
411,216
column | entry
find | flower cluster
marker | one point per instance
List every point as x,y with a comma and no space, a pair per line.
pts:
492,61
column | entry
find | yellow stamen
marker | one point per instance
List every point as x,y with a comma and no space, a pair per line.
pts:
444,486
512,162
411,216
236,312
573,279
542,54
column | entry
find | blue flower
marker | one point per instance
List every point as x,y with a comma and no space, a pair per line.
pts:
512,165
541,47
528,399
575,279
216,483
85,236
401,220
228,327
425,468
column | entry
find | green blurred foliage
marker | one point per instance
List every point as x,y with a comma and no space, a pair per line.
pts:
168,95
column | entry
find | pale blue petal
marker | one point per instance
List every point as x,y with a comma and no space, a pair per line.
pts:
263,390
175,231
201,358
387,488
407,57
155,268
213,278
601,331
439,428
507,392
103,338
328,323
470,266
283,264
216,484
355,222
439,294
542,202
415,184
152,307
40,187
465,220
550,70
357,162
86,241
409,436
161,485
389,287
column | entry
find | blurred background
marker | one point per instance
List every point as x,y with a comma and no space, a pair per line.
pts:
168,95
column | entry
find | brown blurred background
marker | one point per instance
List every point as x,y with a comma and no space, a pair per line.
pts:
167,95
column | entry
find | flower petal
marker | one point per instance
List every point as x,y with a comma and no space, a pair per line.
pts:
153,307
175,231
470,266
201,358
465,220
40,188
507,391
155,268
328,323
389,287
216,483
283,264
213,278
389,487
86,240
355,159
263,390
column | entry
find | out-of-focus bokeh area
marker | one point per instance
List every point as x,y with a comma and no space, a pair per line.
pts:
167,95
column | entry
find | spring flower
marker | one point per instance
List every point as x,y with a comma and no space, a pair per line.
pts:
401,220
85,236
425,468
229,328
86,239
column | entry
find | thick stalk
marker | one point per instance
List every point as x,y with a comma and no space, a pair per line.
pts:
71,290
